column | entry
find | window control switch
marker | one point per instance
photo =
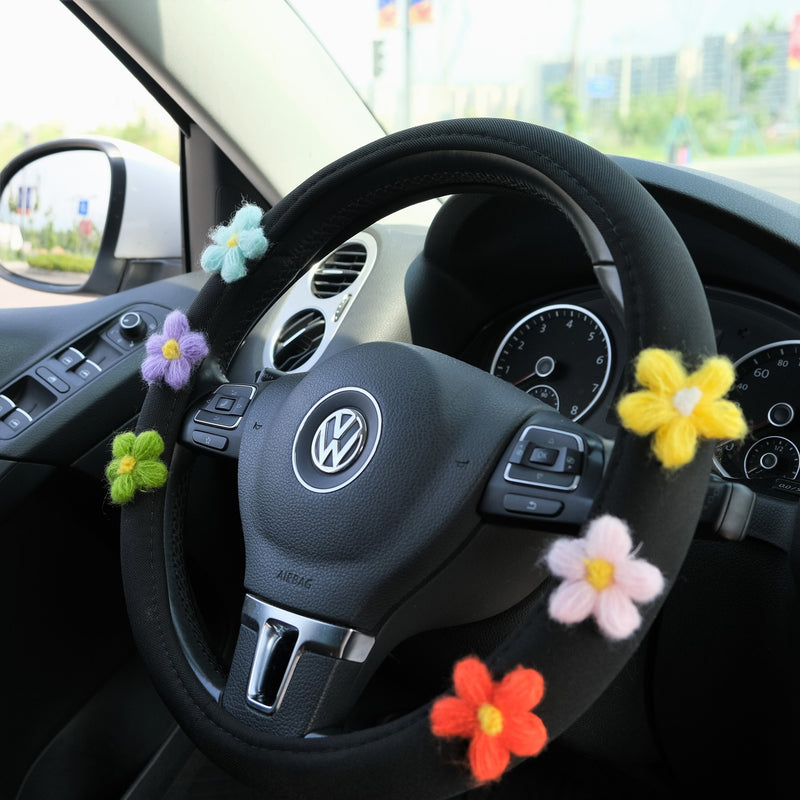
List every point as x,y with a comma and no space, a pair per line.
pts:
87,370
18,420
49,377
6,406
70,357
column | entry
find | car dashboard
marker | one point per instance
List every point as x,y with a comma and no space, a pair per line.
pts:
507,286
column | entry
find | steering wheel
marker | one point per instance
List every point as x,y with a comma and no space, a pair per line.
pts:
351,550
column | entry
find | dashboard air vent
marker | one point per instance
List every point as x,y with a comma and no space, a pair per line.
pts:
339,269
298,340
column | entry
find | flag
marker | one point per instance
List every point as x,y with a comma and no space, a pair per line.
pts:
794,44
420,12
387,13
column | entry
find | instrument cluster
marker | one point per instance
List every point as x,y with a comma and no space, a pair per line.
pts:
567,356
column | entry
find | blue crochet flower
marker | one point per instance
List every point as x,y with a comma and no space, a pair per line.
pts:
234,244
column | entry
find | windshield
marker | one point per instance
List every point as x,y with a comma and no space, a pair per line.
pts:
711,84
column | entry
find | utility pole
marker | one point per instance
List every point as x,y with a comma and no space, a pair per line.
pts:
407,88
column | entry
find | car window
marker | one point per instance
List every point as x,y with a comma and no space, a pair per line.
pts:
62,82
709,84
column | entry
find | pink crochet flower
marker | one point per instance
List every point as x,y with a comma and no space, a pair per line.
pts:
172,353
602,579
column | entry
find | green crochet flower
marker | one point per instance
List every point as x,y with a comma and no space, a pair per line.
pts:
135,465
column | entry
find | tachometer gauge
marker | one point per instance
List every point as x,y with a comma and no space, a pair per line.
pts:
560,354
768,390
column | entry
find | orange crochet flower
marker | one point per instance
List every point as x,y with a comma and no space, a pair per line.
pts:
495,716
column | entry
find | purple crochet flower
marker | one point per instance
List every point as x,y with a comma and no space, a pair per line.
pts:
172,353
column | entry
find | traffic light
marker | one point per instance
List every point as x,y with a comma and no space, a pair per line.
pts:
378,57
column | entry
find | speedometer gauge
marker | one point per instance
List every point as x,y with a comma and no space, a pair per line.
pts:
767,382
560,354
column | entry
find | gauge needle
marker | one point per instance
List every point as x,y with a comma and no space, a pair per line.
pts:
522,380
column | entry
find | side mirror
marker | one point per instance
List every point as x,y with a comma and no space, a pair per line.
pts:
93,215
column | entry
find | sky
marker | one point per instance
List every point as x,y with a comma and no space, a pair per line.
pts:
56,70
495,38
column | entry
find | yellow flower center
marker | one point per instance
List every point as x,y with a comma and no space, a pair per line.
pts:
490,719
686,399
126,465
599,572
233,241
171,350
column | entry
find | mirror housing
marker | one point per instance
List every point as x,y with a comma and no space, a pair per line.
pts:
137,240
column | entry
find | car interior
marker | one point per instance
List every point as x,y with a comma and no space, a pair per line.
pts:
135,630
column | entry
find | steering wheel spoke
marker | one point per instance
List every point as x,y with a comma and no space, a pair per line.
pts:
293,674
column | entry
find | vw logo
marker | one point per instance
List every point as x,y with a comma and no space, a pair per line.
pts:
338,440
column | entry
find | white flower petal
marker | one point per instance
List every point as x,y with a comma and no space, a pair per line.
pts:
572,602
608,538
616,615
565,559
638,579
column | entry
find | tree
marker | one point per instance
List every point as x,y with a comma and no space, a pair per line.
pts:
562,96
753,61
145,133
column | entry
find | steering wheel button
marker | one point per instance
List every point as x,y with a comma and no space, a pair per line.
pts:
545,477
545,456
237,390
573,461
6,405
227,421
212,440
538,506
225,403
240,407
519,452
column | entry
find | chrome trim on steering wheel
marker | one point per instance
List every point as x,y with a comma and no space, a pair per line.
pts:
276,628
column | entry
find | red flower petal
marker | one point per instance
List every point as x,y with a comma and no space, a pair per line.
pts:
523,734
520,690
472,681
452,716
488,757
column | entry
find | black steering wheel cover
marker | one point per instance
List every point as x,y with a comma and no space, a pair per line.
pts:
665,306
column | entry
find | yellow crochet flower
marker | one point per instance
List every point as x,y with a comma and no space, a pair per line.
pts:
680,408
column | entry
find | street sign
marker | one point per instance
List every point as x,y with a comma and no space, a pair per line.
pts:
83,207
600,86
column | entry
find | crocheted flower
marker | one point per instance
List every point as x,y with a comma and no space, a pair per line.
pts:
496,717
172,353
602,579
135,465
234,243
680,408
